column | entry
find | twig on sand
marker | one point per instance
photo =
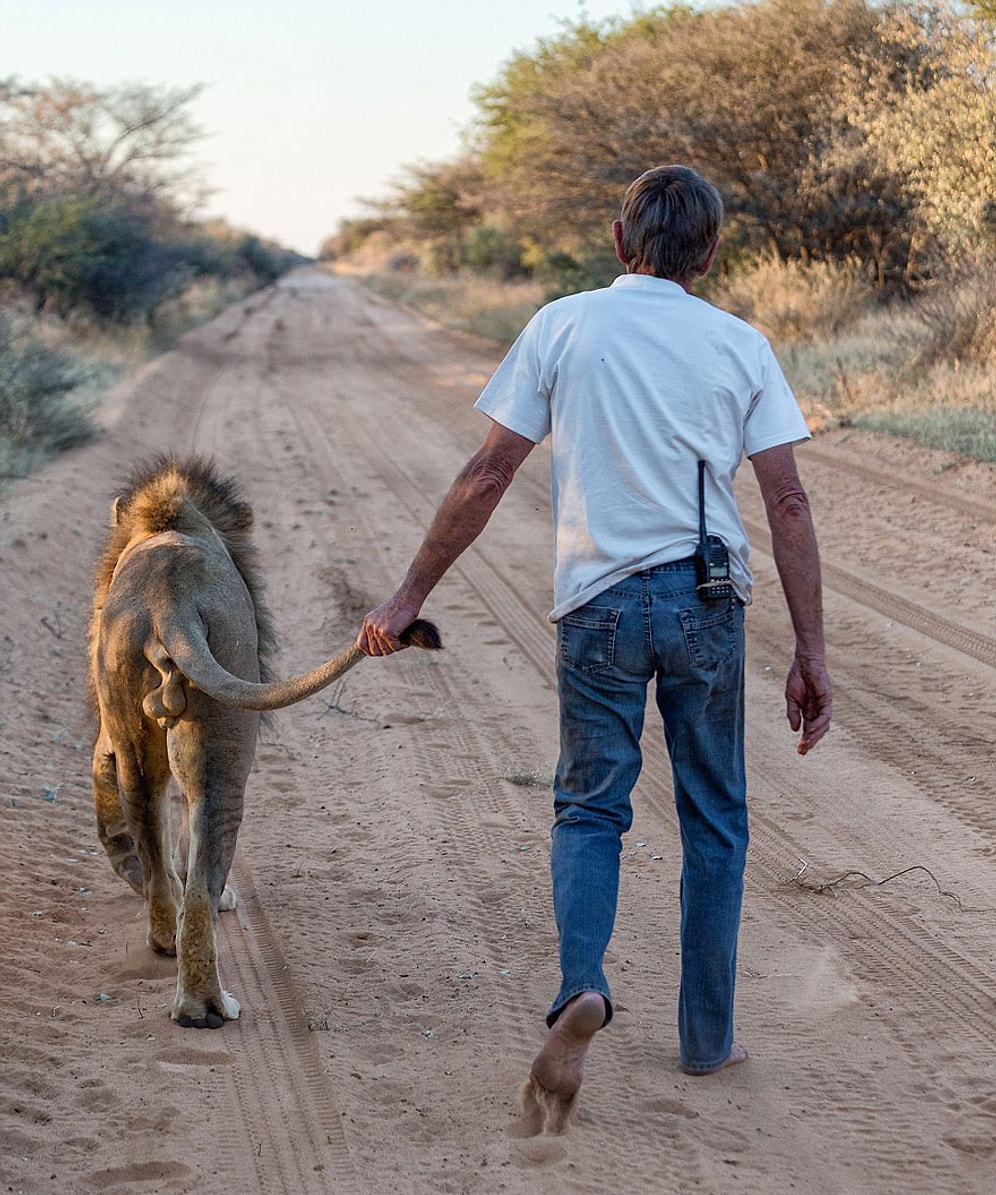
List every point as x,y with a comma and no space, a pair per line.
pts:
831,886
55,630
333,704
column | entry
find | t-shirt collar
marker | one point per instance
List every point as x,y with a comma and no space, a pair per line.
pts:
648,282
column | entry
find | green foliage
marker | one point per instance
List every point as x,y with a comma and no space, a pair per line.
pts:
923,109
491,250
837,131
38,413
436,206
966,430
82,255
92,185
264,261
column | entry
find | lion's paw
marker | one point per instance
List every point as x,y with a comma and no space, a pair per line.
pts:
210,1018
229,899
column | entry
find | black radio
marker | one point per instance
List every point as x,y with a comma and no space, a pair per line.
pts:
712,560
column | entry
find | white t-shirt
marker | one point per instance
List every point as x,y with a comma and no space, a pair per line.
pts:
634,384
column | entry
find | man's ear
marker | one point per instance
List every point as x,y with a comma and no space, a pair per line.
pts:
618,242
711,258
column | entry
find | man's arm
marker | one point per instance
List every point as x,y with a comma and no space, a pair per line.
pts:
793,541
460,519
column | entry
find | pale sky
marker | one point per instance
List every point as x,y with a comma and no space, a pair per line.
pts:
309,104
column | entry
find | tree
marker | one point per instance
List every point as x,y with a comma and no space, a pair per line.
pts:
119,142
922,110
437,205
563,132
106,260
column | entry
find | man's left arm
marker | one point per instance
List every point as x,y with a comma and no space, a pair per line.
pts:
793,542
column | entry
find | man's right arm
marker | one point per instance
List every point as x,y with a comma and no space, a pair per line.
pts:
793,542
461,517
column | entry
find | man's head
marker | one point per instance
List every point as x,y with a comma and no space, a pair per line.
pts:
669,224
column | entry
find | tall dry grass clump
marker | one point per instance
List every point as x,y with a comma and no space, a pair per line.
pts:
792,300
925,369
468,302
957,318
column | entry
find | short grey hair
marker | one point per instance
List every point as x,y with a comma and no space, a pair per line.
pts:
670,220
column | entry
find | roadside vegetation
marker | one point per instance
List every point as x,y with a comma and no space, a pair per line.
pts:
854,142
102,263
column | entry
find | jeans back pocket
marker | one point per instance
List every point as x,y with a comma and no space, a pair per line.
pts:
711,635
586,638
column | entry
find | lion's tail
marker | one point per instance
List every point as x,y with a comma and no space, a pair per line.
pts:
193,659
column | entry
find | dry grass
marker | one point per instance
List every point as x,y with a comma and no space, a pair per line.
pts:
495,310
925,370
790,301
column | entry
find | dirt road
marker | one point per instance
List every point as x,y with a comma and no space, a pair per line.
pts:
393,948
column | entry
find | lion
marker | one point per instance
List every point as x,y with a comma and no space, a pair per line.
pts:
178,635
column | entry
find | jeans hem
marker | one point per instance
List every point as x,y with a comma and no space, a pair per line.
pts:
554,1014
702,1070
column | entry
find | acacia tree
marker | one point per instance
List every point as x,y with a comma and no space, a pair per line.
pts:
118,142
94,188
436,205
837,130
746,93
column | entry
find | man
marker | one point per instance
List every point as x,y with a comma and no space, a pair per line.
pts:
636,384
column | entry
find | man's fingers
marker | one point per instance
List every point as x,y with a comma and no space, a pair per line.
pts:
814,728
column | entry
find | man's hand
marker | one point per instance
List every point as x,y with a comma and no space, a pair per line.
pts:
380,634
807,701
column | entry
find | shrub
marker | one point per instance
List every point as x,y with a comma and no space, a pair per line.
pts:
957,319
39,415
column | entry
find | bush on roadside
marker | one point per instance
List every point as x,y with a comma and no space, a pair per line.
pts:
957,319
40,414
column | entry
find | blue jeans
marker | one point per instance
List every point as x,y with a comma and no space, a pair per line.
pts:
653,626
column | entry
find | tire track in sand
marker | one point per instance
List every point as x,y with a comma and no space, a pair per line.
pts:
291,1119
951,634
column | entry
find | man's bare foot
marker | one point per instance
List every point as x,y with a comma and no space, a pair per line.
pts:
549,1098
737,1054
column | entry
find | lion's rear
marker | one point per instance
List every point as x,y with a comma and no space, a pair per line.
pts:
178,564
167,493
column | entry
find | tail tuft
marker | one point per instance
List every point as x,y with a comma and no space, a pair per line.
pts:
422,634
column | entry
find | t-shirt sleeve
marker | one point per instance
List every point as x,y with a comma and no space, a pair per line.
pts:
774,416
517,396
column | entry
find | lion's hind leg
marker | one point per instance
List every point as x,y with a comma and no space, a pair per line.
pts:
201,1002
229,896
112,829
143,787
214,794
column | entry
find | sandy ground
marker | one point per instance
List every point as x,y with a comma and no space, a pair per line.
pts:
393,949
